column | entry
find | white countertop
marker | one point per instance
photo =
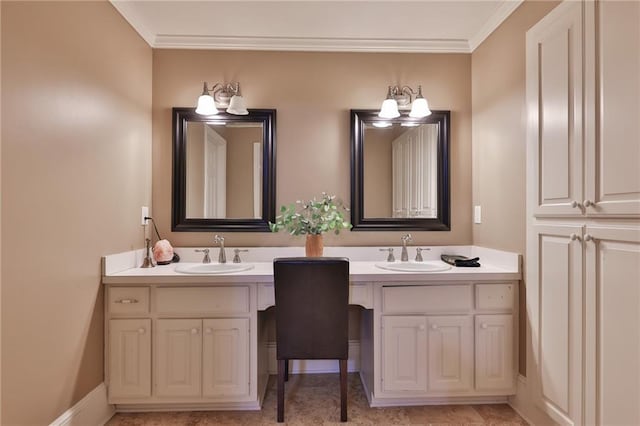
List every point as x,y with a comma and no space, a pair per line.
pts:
496,265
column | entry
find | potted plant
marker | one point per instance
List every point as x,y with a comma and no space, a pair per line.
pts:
312,218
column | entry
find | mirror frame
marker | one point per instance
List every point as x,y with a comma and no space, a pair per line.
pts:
179,221
360,223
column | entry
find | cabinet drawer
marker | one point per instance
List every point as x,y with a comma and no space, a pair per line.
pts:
128,300
437,298
494,296
202,300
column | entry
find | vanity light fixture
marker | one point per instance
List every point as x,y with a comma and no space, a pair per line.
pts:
381,124
403,96
226,95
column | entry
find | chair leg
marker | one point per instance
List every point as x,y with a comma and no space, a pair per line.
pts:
343,390
286,370
281,373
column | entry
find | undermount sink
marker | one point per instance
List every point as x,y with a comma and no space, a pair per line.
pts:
414,266
213,268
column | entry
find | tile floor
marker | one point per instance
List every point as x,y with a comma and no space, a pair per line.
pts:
313,399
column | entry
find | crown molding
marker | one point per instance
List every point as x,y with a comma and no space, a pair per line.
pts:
500,15
128,12
311,44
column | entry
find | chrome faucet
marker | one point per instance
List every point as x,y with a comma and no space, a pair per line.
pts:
206,258
236,257
222,258
404,256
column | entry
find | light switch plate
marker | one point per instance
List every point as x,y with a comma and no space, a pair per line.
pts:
477,214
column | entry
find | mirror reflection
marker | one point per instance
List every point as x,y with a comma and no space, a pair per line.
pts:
224,170
400,172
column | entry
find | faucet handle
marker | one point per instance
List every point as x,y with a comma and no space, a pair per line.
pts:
236,256
419,254
390,258
206,258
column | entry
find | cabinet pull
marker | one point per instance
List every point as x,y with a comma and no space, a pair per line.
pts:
208,330
588,203
574,237
127,301
434,327
589,237
484,325
194,331
575,204
421,327
141,330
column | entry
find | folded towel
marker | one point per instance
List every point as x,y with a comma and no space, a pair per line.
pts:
460,261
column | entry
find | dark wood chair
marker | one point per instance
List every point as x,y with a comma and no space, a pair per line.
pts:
312,316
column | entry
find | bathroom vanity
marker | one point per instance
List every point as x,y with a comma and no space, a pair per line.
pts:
194,341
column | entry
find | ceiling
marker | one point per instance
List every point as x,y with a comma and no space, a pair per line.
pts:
352,26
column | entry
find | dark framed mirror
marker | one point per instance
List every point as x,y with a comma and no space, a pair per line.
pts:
223,171
400,172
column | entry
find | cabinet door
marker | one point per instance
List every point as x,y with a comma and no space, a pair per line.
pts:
129,358
450,353
613,327
613,107
554,109
178,357
555,275
404,353
494,352
225,363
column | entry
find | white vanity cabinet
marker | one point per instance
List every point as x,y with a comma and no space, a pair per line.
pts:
454,340
182,345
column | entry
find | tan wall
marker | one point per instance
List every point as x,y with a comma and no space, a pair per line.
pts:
313,93
499,136
76,142
195,167
240,171
377,172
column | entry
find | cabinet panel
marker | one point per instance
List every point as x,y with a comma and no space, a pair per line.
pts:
436,298
613,135
559,344
450,345
554,92
202,300
178,357
404,353
129,358
613,286
494,352
225,364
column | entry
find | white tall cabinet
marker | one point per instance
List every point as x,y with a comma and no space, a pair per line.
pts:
583,210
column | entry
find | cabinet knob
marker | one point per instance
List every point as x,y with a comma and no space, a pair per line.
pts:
194,331
575,204
588,203
484,325
434,326
588,237
208,330
574,237
421,327
141,330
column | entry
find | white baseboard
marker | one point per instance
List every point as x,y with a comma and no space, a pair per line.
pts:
523,404
93,409
315,366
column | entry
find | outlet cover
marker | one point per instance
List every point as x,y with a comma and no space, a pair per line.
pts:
144,212
477,214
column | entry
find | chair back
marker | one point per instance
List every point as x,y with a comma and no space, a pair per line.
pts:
312,307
